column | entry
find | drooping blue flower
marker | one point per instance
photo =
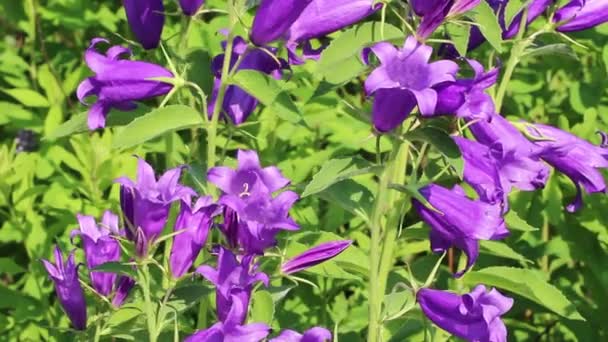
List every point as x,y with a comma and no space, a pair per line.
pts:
315,256
190,7
146,19
273,18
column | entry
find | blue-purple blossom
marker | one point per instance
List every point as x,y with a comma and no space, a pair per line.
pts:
435,12
100,247
231,328
579,15
146,202
534,10
475,316
193,224
67,286
404,79
118,82
232,278
124,286
315,256
273,19
460,222
316,334
190,7
576,158
146,19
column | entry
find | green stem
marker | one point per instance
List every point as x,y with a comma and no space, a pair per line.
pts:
148,305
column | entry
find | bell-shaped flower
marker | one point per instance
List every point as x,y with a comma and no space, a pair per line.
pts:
190,7
67,286
238,104
578,15
124,286
118,82
315,256
316,334
460,222
576,158
273,18
146,19
534,10
192,224
475,316
466,98
232,279
404,79
231,329
99,248
146,202
435,12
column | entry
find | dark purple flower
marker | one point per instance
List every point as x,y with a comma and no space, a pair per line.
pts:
231,329
99,248
466,98
435,12
26,141
232,278
68,289
195,223
410,77
190,7
579,15
238,104
124,286
576,158
146,202
315,256
475,316
118,82
316,334
146,20
460,222
273,19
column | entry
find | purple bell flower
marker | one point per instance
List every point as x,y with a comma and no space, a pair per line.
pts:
190,7
68,289
118,82
273,19
576,158
461,221
146,20
146,202
315,256
99,248
578,15
124,286
466,98
196,222
475,316
316,334
231,329
404,79
232,279
435,12
238,104
534,10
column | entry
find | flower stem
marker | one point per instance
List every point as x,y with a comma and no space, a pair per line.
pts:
148,305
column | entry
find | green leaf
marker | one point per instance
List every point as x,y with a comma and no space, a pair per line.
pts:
262,307
442,142
123,315
559,49
341,61
351,196
9,266
512,8
397,303
515,222
488,24
528,284
269,92
157,123
28,97
459,35
117,267
337,170
502,250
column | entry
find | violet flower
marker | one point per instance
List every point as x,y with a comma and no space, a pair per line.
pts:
99,248
232,279
123,287
190,7
273,19
118,82
146,20
316,334
194,222
404,79
146,202
576,158
475,316
238,104
315,256
460,222
231,329
435,12
67,287
534,10
579,15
